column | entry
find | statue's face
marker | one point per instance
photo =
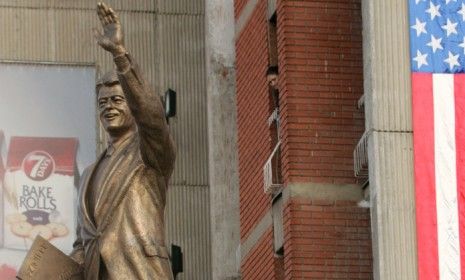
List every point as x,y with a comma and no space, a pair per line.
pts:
113,110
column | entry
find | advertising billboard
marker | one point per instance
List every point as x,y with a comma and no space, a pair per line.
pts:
48,136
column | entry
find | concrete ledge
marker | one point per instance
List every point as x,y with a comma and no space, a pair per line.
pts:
323,191
317,191
244,17
258,231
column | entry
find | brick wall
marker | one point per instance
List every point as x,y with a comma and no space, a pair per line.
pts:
326,240
321,66
320,82
239,6
260,262
254,142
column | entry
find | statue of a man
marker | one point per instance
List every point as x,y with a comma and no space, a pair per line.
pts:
120,232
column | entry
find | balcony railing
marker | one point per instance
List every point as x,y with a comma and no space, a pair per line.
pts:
361,159
272,172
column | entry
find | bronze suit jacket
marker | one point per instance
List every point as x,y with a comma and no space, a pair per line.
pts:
126,232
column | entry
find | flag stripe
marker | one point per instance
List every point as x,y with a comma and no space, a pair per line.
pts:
459,88
446,176
423,137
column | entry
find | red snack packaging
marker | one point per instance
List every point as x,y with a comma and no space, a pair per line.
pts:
39,192
10,262
7,272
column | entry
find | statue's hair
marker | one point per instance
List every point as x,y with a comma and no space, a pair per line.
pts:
109,79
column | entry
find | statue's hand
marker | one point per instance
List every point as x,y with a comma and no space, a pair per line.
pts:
112,38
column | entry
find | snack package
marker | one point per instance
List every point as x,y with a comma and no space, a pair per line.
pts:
10,262
39,192
7,272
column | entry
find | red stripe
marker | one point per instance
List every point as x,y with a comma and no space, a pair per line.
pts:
423,139
459,90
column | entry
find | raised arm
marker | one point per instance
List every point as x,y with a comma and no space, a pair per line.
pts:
157,148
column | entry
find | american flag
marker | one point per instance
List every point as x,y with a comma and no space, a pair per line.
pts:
437,52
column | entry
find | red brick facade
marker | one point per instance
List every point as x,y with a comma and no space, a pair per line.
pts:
320,82
253,103
321,67
238,6
326,240
259,263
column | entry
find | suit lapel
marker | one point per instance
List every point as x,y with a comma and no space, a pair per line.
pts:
84,193
114,183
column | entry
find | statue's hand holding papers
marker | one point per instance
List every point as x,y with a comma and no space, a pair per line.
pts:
45,262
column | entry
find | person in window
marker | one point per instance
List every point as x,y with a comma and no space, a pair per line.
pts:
272,79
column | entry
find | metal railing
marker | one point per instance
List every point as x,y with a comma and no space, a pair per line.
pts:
271,176
361,158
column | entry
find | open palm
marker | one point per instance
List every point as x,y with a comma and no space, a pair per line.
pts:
112,38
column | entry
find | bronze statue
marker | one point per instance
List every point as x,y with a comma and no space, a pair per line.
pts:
120,232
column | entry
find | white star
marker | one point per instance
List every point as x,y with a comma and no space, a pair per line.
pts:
450,27
452,60
463,45
433,10
447,1
420,59
419,27
435,44
462,12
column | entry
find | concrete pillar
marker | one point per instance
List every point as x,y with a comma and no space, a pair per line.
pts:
222,135
390,144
